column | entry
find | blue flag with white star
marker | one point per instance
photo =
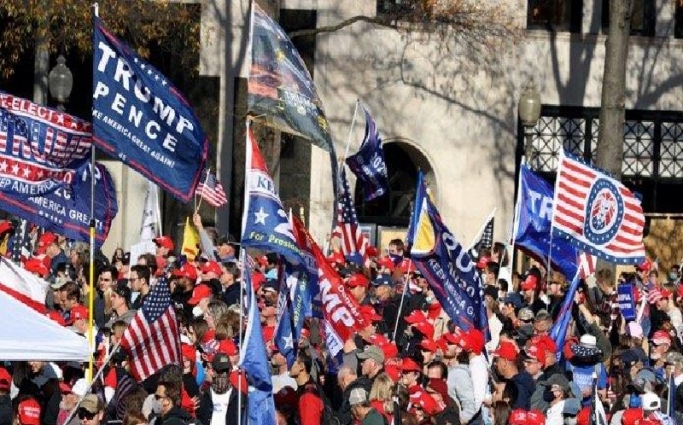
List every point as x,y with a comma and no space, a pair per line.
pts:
532,235
284,338
140,118
265,223
446,265
254,361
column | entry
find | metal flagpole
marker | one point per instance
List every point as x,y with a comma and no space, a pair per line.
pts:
206,180
406,288
91,287
353,124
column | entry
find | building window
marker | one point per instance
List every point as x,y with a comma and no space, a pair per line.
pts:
392,7
678,19
643,18
554,15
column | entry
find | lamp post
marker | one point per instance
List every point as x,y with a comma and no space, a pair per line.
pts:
529,108
60,82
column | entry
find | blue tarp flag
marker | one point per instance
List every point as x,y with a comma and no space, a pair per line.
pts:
284,337
40,148
265,223
140,118
446,265
368,163
254,361
308,289
532,235
66,211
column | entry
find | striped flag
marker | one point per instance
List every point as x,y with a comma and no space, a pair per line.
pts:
352,239
152,340
211,190
484,239
587,264
597,213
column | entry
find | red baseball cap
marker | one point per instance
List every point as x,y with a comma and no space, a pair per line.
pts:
212,267
5,379
410,365
189,351
370,314
407,266
199,293
425,328
506,350
473,340
5,226
29,412
416,316
529,283
165,241
630,416
545,342
518,417
483,261
187,270
35,265
434,310
78,312
425,402
453,338
661,337
428,345
45,239
358,279
535,352
387,263
371,251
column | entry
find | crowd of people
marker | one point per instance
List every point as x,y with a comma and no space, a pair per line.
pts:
410,365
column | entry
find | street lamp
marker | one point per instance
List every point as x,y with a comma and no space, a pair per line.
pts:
529,108
60,82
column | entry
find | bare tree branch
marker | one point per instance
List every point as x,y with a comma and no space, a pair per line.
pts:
383,21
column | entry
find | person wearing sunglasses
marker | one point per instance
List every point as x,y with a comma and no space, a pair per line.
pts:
90,411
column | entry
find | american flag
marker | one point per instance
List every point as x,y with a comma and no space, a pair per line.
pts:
597,213
211,190
587,264
152,340
484,239
347,229
22,243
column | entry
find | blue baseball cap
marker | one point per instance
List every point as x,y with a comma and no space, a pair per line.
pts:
382,279
514,299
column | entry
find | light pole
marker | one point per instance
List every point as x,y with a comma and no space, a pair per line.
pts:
529,108
60,82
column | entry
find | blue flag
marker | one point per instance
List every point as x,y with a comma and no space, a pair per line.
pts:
66,211
446,265
140,118
368,163
284,337
532,235
254,361
40,148
299,281
558,332
265,223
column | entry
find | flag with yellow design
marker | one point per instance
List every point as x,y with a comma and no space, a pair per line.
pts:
190,240
446,264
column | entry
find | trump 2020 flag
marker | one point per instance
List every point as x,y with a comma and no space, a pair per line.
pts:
597,213
140,118
265,223
284,337
368,163
534,214
254,361
445,264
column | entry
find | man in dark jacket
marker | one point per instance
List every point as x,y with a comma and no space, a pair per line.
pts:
5,400
167,396
222,397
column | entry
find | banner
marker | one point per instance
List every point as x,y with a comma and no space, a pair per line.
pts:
140,118
597,213
368,163
626,298
305,300
23,285
265,223
39,147
66,211
535,213
446,265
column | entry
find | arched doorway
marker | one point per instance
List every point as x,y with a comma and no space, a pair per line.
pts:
394,208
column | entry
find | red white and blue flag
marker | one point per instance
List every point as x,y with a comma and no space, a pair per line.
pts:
211,190
152,340
597,213
352,239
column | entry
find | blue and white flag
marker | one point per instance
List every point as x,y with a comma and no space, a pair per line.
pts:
446,265
140,118
254,361
558,332
40,148
533,232
368,163
66,211
306,299
284,338
265,223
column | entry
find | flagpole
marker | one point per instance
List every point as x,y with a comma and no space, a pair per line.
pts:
353,124
406,288
515,222
206,180
91,287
